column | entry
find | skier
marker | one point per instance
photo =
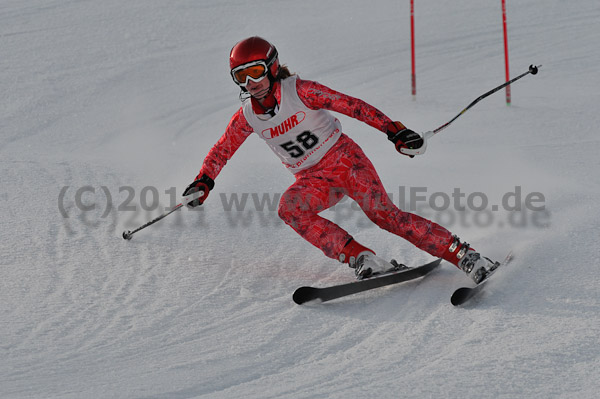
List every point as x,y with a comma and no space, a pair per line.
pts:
292,116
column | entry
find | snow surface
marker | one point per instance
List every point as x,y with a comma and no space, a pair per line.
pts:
108,105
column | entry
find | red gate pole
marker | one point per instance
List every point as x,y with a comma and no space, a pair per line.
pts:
506,50
412,47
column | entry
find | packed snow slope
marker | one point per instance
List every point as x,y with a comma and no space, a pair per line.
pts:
108,109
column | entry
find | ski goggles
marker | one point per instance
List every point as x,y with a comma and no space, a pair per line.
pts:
254,71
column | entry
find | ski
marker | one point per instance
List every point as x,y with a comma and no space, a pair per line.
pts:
305,294
463,294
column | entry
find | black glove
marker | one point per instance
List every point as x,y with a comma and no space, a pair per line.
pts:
404,138
202,183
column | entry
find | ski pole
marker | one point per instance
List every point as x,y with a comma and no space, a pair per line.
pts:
427,135
127,234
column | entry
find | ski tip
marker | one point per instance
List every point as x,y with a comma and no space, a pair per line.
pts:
305,294
460,296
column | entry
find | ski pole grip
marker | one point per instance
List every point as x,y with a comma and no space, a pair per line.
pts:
420,150
191,197
428,135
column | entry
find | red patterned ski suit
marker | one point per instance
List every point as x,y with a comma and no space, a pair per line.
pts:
343,170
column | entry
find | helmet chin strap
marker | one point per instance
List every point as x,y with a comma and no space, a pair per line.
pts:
265,105
269,102
271,85
244,94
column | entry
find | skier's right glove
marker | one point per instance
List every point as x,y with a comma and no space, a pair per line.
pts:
202,183
404,138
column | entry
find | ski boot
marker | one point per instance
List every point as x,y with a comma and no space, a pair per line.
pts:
364,261
470,261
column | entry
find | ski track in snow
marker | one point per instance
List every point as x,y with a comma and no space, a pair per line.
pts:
110,95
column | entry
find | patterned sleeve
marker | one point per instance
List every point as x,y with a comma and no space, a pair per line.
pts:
315,96
236,133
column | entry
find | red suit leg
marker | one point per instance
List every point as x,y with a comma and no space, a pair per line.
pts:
346,170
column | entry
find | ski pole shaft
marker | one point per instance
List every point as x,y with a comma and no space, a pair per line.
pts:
127,234
532,70
429,134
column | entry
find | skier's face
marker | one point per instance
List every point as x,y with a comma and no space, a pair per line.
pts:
258,90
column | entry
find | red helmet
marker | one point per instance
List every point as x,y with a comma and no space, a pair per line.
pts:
251,50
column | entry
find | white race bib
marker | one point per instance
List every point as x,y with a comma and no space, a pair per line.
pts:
298,135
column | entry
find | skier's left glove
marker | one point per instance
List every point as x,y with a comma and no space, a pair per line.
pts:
202,183
404,138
